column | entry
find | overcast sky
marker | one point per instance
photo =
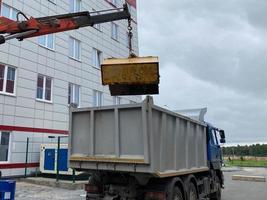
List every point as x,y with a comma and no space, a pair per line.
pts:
213,54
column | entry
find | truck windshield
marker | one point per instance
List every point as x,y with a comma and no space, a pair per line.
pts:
214,137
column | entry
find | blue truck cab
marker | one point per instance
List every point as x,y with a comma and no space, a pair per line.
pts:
213,146
215,137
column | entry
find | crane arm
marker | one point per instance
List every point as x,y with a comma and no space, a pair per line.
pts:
131,76
33,27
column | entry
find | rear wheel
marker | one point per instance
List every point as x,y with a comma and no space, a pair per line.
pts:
218,194
192,192
177,194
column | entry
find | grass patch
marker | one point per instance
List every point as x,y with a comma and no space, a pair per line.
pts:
247,163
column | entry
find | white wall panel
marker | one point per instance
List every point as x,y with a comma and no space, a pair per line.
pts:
30,58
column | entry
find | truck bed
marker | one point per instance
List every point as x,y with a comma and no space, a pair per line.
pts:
138,138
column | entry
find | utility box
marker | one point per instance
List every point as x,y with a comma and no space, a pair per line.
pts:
48,159
7,189
131,76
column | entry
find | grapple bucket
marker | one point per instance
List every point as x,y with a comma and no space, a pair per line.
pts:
131,76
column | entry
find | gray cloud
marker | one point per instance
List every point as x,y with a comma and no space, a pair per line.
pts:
212,53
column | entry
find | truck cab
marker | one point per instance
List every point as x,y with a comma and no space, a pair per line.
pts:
214,146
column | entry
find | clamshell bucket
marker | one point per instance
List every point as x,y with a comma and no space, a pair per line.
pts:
131,76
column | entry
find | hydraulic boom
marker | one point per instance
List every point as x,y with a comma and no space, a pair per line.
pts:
32,27
131,76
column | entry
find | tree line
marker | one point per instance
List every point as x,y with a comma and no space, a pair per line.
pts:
258,150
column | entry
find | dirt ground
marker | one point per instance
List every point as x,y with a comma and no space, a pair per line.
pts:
26,191
234,190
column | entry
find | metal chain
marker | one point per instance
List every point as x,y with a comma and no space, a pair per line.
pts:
130,38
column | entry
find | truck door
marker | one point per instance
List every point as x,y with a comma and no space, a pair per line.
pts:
214,149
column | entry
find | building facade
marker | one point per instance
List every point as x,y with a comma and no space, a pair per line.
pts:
41,76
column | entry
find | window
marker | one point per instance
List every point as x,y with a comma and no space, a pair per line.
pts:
97,26
47,41
97,58
75,5
7,79
74,94
114,31
44,88
216,133
4,146
214,140
74,48
97,98
9,12
116,100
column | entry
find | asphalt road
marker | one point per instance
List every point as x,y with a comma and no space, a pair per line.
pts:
234,190
243,190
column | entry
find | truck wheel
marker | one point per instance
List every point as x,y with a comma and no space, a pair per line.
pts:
218,194
177,194
192,192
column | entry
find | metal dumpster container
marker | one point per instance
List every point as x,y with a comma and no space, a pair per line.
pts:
139,138
131,76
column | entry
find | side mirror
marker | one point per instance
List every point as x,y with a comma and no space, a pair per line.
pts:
222,141
222,135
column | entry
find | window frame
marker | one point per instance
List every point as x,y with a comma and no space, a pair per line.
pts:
75,6
97,102
214,137
72,48
97,55
96,26
5,81
73,85
44,85
11,10
116,37
9,146
46,41
117,100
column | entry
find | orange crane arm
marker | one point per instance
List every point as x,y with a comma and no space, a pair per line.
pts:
33,27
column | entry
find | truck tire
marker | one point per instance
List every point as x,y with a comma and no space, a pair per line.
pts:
192,192
218,194
177,194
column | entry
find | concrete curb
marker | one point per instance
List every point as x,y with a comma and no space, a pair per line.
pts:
79,185
249,178
231,169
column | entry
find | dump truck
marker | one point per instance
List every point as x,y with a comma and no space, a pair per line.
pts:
143,151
